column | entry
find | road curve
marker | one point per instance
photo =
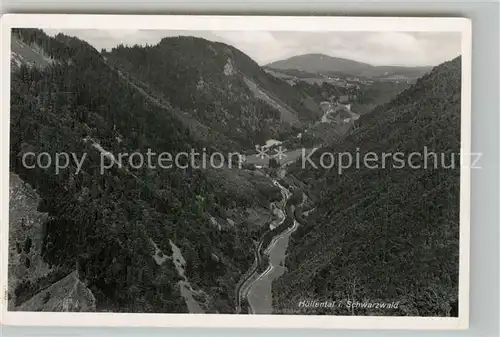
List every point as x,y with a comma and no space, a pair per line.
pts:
252,274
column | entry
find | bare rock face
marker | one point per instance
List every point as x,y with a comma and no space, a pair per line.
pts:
67,294
229,68
26,265
25,235
30,55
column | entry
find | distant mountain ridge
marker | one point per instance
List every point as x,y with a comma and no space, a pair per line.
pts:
329,65
316,63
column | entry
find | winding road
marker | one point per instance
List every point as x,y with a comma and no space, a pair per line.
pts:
253,278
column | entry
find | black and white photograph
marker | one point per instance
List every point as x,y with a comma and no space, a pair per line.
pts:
236,171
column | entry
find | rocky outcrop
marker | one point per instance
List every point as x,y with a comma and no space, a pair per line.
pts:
67,294
26,234
27,269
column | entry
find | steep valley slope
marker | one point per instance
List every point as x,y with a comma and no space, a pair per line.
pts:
388,234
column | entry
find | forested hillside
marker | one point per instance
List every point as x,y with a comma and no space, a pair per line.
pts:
120,228
386,234
379,93
218,86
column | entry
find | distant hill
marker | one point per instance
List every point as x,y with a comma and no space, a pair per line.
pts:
328,65
320,63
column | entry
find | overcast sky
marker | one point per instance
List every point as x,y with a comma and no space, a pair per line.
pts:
377,48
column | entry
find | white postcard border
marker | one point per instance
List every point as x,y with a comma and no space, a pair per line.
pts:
239,23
